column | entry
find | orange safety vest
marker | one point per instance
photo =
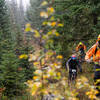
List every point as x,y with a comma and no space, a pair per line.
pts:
92,52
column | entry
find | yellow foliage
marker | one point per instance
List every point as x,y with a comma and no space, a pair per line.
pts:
35,77
57,34
49,53
23,56
59,57
35,87
27,29
42,61
92,94
55,64
52,18
53,24
50,10
36,63
44,3
32,57
45,23
45,76
28,25
44,14
44,37
37,34
60,25
38,72
58,74
51,73
50,41
29,81
49,33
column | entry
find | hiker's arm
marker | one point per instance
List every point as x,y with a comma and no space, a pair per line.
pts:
67,65
90,53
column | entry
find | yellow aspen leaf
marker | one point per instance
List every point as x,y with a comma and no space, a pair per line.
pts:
49,53
59,57
60,25
27,29
58,74
57,34
49,33
44,3
87,93
35,77
52,18
55,64
44,91
29,81
50,10
36,63
37,34
51,73
44,37
35,87
45,23
23,56
44,14
53,24
45,76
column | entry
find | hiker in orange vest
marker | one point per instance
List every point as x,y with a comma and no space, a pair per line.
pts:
81,47
94,54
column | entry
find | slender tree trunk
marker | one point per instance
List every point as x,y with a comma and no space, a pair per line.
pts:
95,19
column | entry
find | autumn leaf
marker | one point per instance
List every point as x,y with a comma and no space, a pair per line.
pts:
50,10
52,18
44,3
27,29
59,57
45,23
57,34
36,63
49,33
44,14
53,24
23,56
37,34
60,25
38,72
44,37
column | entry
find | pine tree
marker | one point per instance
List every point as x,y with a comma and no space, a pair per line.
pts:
11,78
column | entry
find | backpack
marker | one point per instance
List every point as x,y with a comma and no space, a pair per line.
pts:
97,48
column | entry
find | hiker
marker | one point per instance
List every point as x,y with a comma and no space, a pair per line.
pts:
71,64
93,54
81,49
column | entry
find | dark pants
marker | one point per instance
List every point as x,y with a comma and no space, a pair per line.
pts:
97,77
70,74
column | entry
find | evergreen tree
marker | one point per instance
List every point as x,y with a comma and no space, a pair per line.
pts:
12,79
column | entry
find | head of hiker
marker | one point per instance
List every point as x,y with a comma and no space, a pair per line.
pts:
73,57
80,43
